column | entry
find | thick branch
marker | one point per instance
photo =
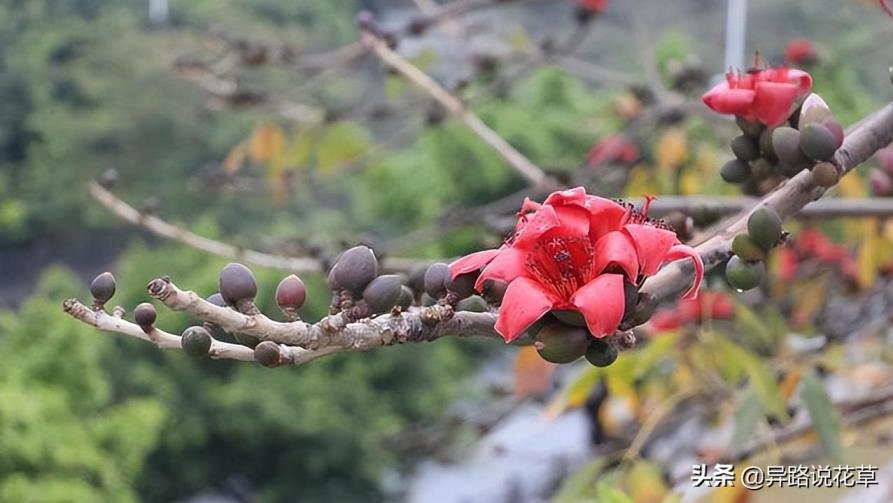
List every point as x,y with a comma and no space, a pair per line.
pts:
530,171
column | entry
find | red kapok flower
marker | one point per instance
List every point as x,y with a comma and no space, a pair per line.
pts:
575,252
714,305
613,149
594,6
800,51
886,7
767,96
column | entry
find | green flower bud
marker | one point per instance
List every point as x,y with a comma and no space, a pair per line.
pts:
817,142
764,226
747,248
743,275
745,148
474,303
196,341
735,171
600,354
560,343
825,174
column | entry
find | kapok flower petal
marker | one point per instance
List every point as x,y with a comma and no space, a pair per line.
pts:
535,225
616,247
506,266
773,102
652,244
679,252
723,100
574,220
605,216
473,262
602,303
525,301
803,81
576,195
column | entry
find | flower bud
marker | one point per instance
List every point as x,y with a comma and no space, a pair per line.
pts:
474,304
573,318
406,297
237,284
600,354
196,341
216,299
735,171
786,143
747,248
761,169
764,226
354,270
267,354
494,290
644,309
743,275
813,111
817,142
836,131
383,293
752,129
745,148
144,315
560,343
881,183
417,278
462,285
825,174
766,146
436,278
103,288
291,293
631,298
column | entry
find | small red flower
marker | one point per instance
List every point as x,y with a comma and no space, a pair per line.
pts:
714,305
613,149
800,51
767,96
574,252
594,6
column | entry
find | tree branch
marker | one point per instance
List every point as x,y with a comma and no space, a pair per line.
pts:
170,231
452,104
861,142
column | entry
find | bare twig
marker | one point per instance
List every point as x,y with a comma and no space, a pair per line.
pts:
530,171
170,231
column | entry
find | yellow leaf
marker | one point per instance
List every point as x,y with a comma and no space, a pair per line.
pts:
672,149
645,483
690,183
267,143
235,158
852,185
533,375
641,182
867,260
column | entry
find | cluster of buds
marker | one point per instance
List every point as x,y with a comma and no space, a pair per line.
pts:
746,269
809,141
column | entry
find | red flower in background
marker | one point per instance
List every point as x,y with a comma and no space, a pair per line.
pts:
594,6
800,51
886,7
767,96
710,304
613,149
575,252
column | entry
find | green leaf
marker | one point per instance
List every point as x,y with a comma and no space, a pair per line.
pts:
747,415
341,143
761,378
608,494
580,485
825,418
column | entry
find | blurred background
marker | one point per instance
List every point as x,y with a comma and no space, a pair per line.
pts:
263,124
